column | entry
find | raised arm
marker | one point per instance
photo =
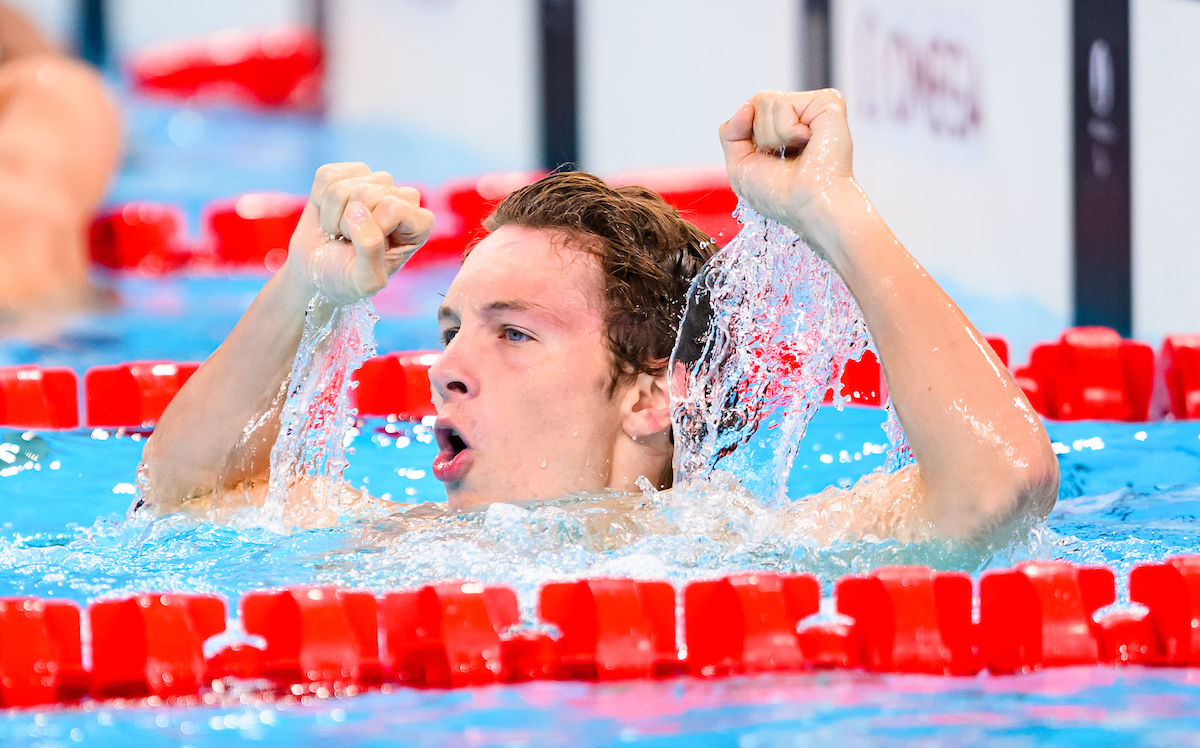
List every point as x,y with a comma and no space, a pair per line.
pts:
356,230
983,456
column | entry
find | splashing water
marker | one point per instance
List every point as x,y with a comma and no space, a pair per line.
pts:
768,330
316,415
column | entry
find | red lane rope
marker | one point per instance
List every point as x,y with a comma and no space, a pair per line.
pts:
1088,373
322,640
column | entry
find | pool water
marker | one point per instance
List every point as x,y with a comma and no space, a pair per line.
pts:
1130,493
1070,706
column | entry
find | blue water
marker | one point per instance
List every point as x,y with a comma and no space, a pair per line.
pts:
1071,706
1130,492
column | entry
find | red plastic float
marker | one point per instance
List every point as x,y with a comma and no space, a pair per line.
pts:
1181,365
905,619
473,200
747,622
395,384
253,229
999,344
863,382
36,397
1128,638
911,619
829,645
139,236
152,644
40,652
1090,373
612,628
1040,615
314,635
276,68
446,635
1171,590
132,394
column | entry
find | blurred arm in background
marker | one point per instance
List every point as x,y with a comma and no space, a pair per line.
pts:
59,143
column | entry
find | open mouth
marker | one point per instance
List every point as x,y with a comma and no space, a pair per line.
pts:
449,440
454,456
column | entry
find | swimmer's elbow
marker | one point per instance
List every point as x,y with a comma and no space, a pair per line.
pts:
168,478
984,502
1026,493
1036,487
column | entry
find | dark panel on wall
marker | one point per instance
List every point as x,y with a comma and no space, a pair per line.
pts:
560,109
815,49
93,31
1103,284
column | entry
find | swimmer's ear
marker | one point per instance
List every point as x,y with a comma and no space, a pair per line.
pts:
646,407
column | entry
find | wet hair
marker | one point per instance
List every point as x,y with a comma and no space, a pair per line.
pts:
648,254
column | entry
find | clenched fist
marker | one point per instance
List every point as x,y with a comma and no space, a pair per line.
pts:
789,154
356,231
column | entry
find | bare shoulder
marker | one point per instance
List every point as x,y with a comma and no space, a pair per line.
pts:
879,505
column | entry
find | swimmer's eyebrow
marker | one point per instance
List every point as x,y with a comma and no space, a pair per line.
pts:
521,306
511,306
497,307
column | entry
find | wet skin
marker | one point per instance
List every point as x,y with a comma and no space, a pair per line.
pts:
522,389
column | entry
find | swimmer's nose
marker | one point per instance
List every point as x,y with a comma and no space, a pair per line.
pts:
451,376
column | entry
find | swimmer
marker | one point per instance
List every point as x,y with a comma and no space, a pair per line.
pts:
59,144
558,327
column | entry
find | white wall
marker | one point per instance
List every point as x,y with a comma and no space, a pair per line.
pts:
133,24
657,77
983,200
1165,77
463,69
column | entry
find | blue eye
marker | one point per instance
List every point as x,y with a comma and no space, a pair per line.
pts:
448,335
515,336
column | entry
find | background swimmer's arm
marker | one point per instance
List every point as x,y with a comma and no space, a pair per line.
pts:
19,36
983,455
204,441
59,143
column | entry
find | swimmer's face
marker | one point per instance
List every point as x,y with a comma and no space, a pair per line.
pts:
522,389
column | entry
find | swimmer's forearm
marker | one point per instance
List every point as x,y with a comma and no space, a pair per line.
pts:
201,442
983,454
